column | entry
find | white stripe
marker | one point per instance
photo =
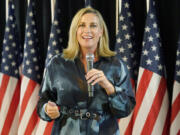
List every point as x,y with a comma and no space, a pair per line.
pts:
7,100
141,71
1,76
29,110
146,104
123,124
24,84
35,129
160,121
14,127
176,90
175,125
41,127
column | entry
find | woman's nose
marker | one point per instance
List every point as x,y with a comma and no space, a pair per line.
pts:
87,29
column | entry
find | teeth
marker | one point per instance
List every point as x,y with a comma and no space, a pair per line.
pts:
87,37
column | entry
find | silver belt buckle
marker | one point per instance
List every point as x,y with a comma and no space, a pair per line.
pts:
85,116
88,114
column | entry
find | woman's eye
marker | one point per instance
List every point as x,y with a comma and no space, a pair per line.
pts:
81,25
93,25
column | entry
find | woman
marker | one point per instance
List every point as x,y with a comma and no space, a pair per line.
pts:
64,95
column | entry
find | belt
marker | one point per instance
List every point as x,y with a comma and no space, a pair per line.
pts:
79,113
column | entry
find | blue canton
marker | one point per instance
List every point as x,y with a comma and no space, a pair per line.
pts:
152,58
56,37
177,70
32,65
12,50
126,47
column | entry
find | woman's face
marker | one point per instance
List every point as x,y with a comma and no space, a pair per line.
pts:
89,32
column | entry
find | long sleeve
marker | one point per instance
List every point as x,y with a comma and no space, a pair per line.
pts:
122,101
45,95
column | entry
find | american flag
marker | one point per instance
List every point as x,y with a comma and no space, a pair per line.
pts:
152,103
32,75
10,76
126,49
175,108
55,47
55,44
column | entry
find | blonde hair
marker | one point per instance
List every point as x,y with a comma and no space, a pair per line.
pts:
73,48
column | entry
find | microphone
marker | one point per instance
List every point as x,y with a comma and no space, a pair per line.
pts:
89,60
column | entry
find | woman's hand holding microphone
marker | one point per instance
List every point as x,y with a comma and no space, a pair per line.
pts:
52,110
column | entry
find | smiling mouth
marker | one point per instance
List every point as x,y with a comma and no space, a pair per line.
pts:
87,37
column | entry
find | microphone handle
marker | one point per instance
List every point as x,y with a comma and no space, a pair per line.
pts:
90,87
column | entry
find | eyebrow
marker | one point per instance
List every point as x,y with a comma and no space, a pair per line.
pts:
90,23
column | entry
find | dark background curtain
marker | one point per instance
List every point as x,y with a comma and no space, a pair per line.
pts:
168,13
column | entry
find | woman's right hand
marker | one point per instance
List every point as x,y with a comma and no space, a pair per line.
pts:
52,110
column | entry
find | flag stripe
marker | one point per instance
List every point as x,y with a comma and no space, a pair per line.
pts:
30,107
24,85
144,109
151,111
41,127
15,122
32,123
176,101
167,124
12,109
7,100
133,84
1,78
28,92
175,128
141,90
176,90
129,127
162,121
48,128
10,81
125,125
4,84
155,108
176,108
32,74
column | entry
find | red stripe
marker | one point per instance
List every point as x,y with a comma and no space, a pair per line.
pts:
141,91
48,128
128,130
28,92
12,110
132,83
3,87
178,132
32,123
129,127
155,108
167,124
175,108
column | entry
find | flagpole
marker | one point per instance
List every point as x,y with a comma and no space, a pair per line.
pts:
52,9
117,15
7,9
147,5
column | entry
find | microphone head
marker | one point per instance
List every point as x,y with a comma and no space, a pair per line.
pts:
90,57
